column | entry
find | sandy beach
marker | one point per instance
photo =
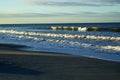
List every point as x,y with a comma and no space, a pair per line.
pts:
25,65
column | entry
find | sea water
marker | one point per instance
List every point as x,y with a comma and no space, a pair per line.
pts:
96,40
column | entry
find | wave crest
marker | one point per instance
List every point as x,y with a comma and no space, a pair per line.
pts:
92,37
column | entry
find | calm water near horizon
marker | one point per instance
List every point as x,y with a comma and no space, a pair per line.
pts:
97,40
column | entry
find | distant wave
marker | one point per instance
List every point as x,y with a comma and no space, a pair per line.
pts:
92,37
83,29
104,29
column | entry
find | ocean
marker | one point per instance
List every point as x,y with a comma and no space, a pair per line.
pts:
95,40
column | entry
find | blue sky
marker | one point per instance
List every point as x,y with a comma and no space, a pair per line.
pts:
59,11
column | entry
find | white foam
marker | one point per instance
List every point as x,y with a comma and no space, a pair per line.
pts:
115,48
61,35
27,36
82,29
54,28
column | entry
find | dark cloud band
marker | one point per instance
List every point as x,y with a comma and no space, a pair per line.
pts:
76,3
78,14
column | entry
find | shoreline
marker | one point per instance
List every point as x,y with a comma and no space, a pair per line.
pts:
27,65
23,48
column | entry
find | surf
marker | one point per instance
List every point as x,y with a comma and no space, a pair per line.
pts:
76,36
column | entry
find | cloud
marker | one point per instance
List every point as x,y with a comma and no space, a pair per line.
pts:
26,15
113,14
105,1
35,14
59,14
75,2
51,3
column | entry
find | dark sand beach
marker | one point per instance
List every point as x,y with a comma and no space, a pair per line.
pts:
25,65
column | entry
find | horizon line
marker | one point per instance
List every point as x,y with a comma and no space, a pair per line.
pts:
59,23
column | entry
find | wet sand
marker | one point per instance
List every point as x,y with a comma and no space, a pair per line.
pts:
25,65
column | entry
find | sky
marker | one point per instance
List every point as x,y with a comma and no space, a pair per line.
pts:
59,11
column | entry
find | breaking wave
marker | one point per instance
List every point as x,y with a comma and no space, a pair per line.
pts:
37,36
84,29
55,35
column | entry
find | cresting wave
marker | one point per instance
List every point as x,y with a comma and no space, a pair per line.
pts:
92,37
70,28
84,29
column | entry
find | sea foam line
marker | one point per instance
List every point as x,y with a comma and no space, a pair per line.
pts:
92,37
70,43
113,48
